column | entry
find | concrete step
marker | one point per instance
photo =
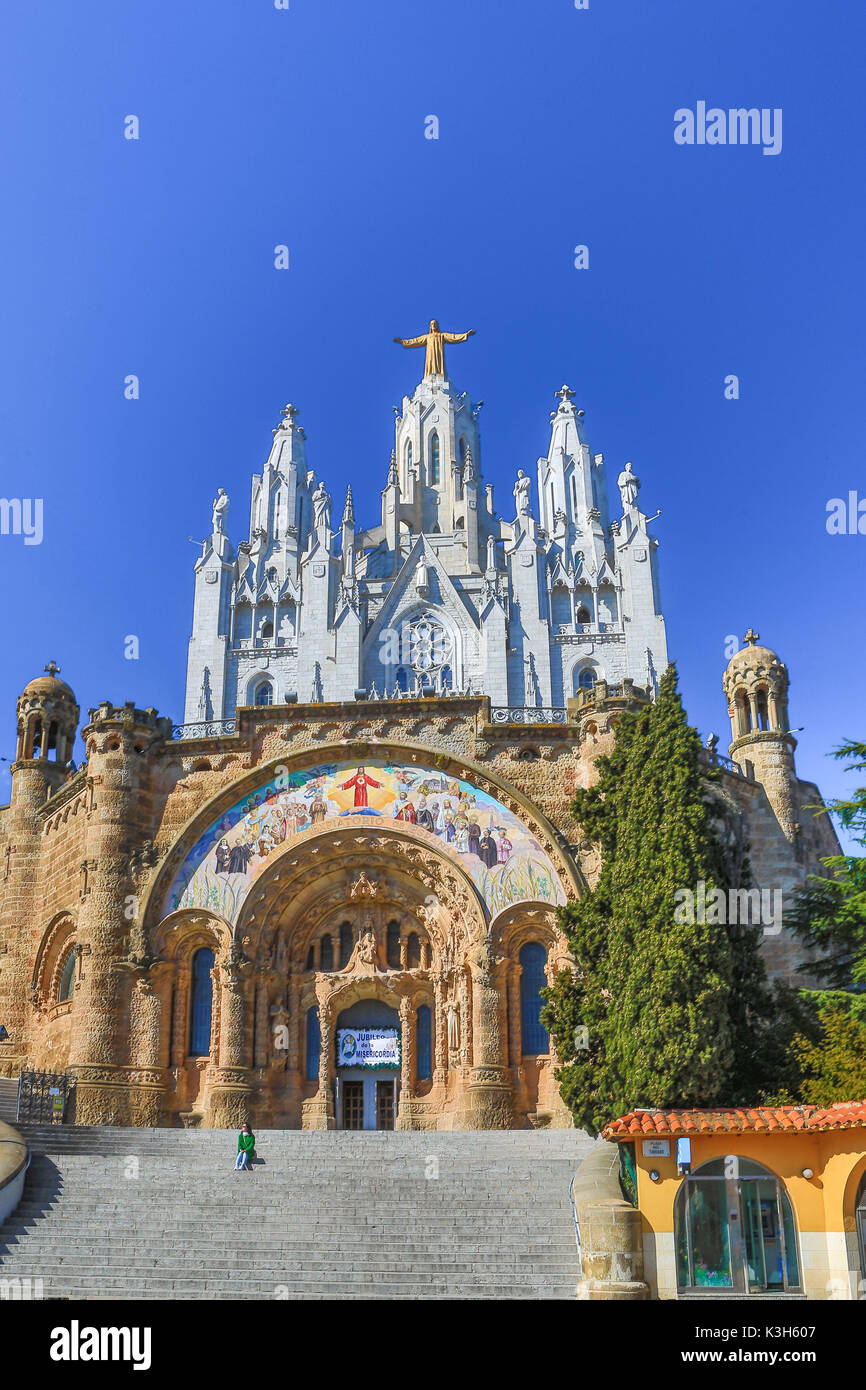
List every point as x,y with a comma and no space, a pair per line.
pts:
326,1216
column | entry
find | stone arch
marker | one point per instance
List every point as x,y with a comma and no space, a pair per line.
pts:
59,937
313,884
566,872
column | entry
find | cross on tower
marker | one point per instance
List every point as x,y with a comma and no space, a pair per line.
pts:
288,413
752,637
52,668
565,395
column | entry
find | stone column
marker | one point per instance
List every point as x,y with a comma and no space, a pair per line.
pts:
318,1111
408,1017
490,1086
440,1058
230,1099
515,1048
146,1078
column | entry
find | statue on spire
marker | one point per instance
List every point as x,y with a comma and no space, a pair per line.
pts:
434,341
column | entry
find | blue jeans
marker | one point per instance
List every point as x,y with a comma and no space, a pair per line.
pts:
243,1160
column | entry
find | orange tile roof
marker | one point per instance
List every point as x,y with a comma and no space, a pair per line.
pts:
762,1119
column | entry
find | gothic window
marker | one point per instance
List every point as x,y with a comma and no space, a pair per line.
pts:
560,606
311,959
264,694
533,980
392,946
410,453
607,606
430,647
413,951
401,680
346,944
434,460
763,717
67,978
445,678
201,1003
424,1039
734,1230
326,954
313,1043
462,447
243,624
583,614
584,679
267,633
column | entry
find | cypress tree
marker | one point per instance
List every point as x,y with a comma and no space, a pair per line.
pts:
667,1004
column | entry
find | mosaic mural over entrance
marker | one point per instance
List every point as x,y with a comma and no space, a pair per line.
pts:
507,864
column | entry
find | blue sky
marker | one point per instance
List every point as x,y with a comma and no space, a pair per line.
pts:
306,127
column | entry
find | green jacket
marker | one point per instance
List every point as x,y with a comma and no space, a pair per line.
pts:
246,1142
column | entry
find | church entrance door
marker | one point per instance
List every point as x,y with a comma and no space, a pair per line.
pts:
367,1102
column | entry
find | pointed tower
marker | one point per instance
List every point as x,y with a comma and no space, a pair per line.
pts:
435,435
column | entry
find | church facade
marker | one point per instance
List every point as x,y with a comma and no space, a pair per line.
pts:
329,898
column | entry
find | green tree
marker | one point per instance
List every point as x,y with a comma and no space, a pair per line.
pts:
829,916
664,1008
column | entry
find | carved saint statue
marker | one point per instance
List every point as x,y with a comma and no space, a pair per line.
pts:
322,508
434,341
522,493
628,486
491,552
452,1016
220,507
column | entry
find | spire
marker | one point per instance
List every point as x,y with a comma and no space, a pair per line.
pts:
349,510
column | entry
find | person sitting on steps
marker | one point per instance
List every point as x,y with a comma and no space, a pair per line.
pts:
246,1148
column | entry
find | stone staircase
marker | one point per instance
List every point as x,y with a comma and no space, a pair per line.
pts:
8,1099
161,1214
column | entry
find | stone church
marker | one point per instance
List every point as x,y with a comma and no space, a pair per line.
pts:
328,899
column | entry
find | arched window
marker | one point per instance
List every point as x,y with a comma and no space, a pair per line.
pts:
582,615
346,943
744,712
201,1003
434,459
311,959
533,958
326,954
446,681
734,1229
264,694
67,978
409,454
560,606
392,946
584,679
424,1037
763,716
413,951
313,1043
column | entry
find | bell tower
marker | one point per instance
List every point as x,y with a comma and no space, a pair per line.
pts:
47,725
756,686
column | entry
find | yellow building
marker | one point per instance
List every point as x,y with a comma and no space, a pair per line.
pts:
749,1203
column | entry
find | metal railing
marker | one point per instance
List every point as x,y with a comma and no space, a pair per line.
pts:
43,1097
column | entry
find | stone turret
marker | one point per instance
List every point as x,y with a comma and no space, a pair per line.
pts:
756,687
